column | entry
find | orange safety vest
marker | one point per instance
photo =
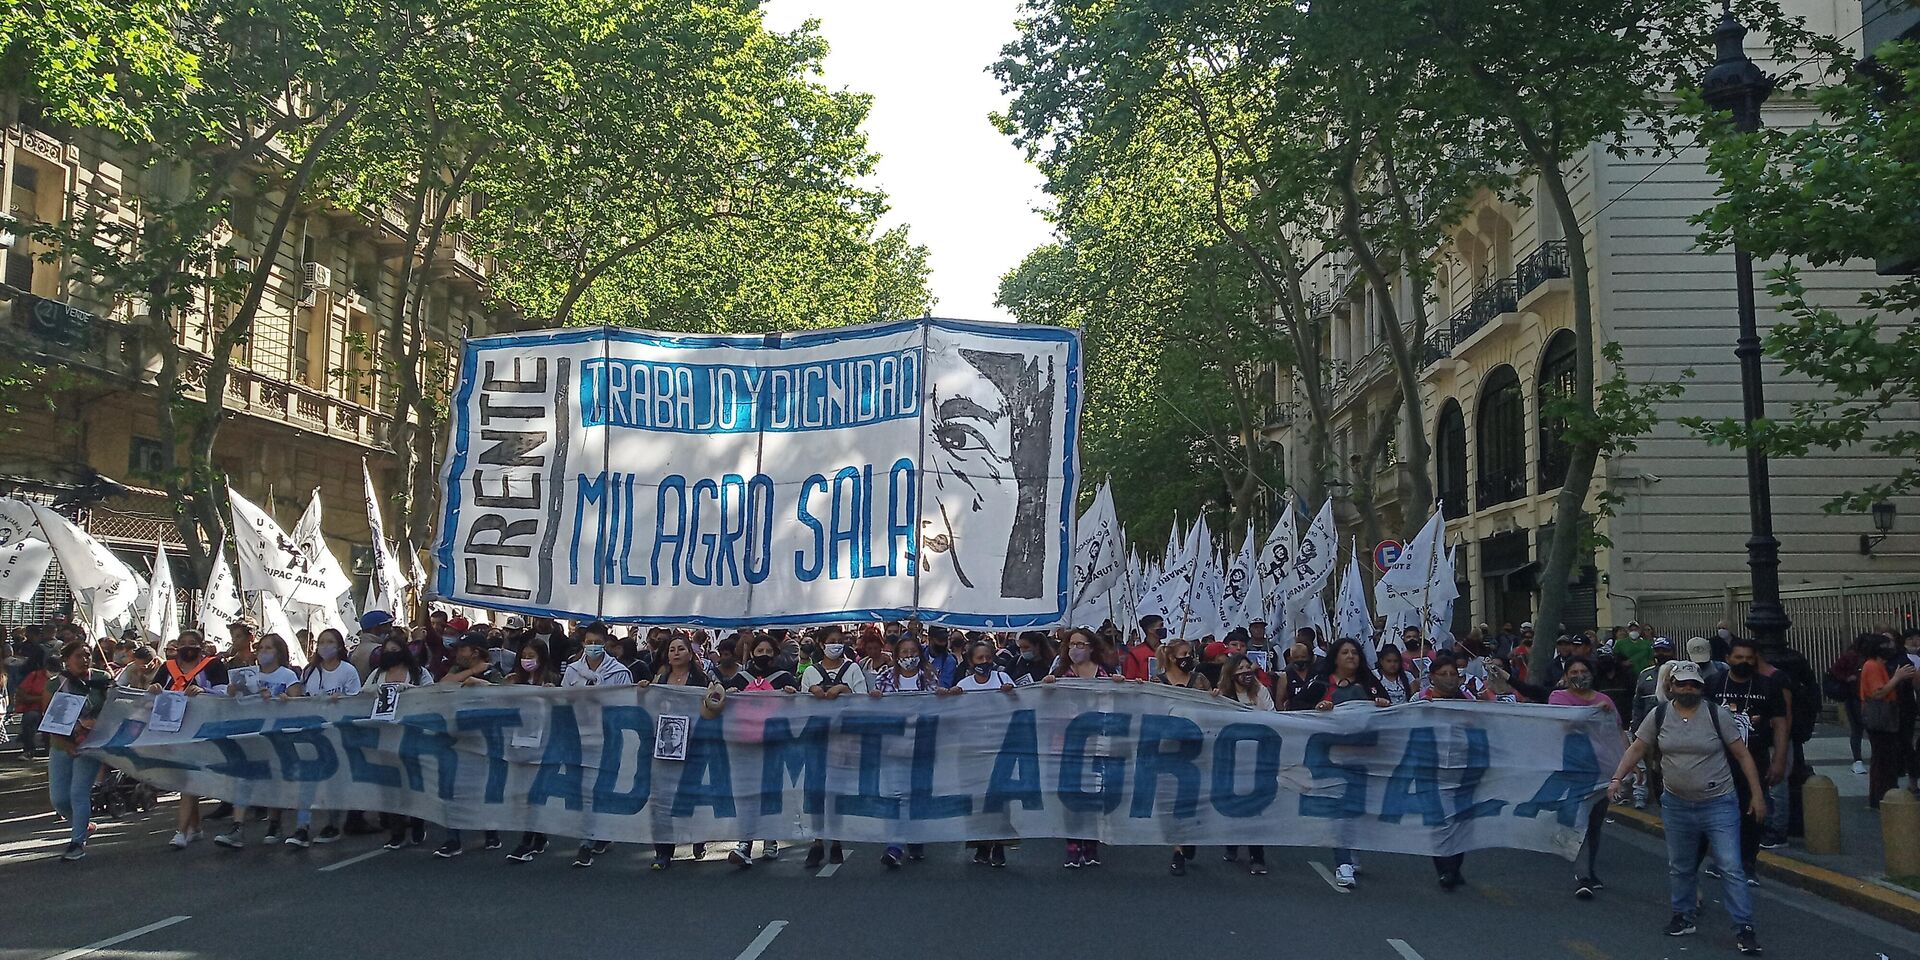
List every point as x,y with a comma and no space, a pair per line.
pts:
178,679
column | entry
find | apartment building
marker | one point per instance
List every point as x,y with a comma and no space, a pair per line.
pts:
306,400
1502,339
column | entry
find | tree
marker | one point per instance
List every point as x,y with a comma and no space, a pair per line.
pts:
1820,195
96,63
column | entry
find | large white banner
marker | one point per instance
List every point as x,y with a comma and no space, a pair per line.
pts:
1131,764
926,466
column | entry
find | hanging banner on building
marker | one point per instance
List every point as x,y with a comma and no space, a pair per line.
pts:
925,466
1084,759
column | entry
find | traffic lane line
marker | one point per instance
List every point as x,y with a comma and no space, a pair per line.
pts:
764,940
1327,875
828,870
350,861
1406,952
117,939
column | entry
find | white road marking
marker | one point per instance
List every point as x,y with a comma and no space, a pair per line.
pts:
122,938
350,861
1327,875
828,870
760,943
1406,953
36,816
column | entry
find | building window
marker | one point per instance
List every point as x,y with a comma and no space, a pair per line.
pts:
1501,441
1556,382
1450,460
146,458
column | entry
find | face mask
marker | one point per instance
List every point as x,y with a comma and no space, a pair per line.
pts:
1186,663
1582,682
983,668
1447,685
393,658
1633,634
763,663
910,664
1080,654
266,658
327,651
529,666
1724,633
188,657
835,650
1248,679
1740,671
1687,699
1028,656
595,651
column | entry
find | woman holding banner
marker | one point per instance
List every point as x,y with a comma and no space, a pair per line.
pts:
70,776
1445,683
331,677
681,669
1240,682
190,673
1079,661
533,667
1179,667
1345,679
394,666
907,670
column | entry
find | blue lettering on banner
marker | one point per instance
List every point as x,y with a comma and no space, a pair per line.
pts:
560,771
922,803
1153,761
1415,786
707,778
492,724
803,757
1109,773
872,730
1568,788
237,764
1479,761
357,739
1016,767
292,733
1266,769
423,736
1352,801
714,398
617,723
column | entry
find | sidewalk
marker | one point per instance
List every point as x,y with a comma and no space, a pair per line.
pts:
1856,876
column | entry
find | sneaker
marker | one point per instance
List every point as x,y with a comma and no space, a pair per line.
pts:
998,858
817,854
395,841
1746,942
233,839
1860,767
585,857
492,841
916,852
1448,881
301,839
1258,869
1752,881
980,855
660,862
1343,876
448,850
273,832
1681,926
742,855
417,834
837,856
540,846
77,850
1639,803
1594,883
328,834
1230,856
1713,872
1772,842
891,858
602,846
1074,860
1178,867
770,850
522,853
180,840
1583,889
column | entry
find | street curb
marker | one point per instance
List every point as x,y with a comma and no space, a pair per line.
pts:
1866,896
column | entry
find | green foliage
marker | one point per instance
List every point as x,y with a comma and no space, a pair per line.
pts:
1845,188
95,63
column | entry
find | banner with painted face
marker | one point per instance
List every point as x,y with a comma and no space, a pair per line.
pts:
1130,764
921,467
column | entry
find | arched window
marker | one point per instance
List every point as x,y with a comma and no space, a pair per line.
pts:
1450,460
1501,440
1556,382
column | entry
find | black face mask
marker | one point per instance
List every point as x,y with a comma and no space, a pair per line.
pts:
1186,663
1249,679
763,663
1740,671
983,668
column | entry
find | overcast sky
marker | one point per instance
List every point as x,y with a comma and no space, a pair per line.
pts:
965,189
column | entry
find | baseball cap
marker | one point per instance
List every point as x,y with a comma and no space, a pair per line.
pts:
516,622
459,624
375,619
1699,650
1216,649
1663,643
1527,625
1685,670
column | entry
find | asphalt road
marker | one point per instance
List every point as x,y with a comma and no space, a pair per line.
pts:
351,899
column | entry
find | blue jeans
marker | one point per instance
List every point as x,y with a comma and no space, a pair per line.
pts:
1777,807
70,784
1718,822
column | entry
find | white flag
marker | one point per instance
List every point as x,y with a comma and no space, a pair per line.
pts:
269,560
273,619
1414,575
1276,573
1439,613
1353,619
1313,561
104,588
1097,560
335,588
416,576
1240,599
161,619
221,604
386,589
24,557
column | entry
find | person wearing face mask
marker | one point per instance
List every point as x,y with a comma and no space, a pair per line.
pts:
833,677
329,676
1240,683
393,663
1759,703
1179,667
272,681
680,668
532,667
1445,682
192,672
1078,663
946,663
469,667
906,671
1721,643
1634,645
982,673
70,774
1699,753
1578,691
598,667
1400,686
765,670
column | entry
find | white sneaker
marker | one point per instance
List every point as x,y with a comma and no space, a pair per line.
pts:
1343,875
770,850
1860,767
180,839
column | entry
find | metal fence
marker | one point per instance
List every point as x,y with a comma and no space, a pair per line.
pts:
1825,618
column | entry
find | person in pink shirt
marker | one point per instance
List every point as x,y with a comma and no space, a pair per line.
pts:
1576,690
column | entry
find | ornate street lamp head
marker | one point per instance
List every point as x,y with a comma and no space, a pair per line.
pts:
1735,84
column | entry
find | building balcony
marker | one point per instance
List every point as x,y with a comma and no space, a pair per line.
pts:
1536,268
1490,301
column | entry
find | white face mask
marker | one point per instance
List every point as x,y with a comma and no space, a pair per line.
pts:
327,651
834,650
266,658
1724,633
1633,634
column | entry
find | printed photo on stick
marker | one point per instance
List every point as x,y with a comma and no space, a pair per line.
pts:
62,714
386,701
169,712
670,737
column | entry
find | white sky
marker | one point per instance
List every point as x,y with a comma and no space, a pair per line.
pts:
967,191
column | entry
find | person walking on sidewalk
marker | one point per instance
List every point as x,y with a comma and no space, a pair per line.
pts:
1843,686
1886,698
1697,749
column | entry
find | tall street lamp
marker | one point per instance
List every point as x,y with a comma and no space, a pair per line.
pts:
1737,85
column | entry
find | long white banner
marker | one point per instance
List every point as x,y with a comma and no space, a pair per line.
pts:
925,466
1124,764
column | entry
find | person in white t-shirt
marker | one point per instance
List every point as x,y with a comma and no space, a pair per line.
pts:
597,667
273,679
332,677
835,676
977,673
